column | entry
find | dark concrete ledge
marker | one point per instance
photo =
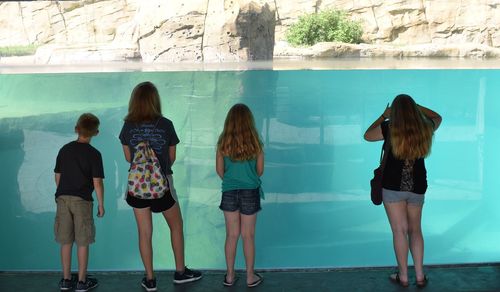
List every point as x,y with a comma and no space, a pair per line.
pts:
468,277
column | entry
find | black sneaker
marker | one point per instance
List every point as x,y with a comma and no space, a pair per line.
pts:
65,284
89,283
187,276
149,285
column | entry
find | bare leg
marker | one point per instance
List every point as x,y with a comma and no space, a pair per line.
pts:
398,218
145,229
232,235
173,217
83,260
66,260
416,239
248,234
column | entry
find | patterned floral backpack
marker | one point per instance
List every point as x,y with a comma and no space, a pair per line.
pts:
145,178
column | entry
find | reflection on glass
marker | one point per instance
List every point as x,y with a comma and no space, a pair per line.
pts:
317,212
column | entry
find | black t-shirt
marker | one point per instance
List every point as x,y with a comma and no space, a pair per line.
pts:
78,163
160,134
403,175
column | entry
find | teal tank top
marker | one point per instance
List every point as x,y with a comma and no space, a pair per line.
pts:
240,175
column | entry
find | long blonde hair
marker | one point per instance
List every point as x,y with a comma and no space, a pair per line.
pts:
410,130
239,140
144,104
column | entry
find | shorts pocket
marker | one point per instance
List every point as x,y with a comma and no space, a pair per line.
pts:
57,224
84,223
250,201
85,232
229,201
63,230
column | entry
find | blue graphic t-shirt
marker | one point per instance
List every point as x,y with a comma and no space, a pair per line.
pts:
160,135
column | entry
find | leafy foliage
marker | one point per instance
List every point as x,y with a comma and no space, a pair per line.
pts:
17,50
325,26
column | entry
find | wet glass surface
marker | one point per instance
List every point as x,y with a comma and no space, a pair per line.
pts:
317,211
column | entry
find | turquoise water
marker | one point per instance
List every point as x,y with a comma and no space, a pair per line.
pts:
317,212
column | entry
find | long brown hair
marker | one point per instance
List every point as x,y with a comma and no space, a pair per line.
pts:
239,140
410,130
144,104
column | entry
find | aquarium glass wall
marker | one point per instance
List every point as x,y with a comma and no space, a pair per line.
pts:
317,211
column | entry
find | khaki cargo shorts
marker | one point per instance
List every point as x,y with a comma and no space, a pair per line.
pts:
74,221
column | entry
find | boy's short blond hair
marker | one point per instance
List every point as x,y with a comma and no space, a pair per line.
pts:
87,125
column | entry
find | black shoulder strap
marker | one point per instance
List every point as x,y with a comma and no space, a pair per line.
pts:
385,148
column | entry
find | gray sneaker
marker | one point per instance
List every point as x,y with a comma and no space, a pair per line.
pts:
187,276
65,284
149,285
89,283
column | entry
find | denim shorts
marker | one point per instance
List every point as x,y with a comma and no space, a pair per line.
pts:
246,201
390,196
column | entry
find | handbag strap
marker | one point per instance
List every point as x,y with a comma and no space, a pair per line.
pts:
384,154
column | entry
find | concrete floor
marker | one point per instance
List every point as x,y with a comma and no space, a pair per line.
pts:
454,278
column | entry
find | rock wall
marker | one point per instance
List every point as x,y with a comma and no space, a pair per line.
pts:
209,31
64,22
239,30
332,49
228,30
408,22
154,30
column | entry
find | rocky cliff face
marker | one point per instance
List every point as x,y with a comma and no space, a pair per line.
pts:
64,22
409,22
209,31
229,30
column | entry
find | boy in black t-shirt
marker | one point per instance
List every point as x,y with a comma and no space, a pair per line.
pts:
78,172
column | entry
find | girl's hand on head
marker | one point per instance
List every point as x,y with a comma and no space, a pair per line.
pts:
387,111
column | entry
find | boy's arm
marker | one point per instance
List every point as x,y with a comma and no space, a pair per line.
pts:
99,190
219,164
57,177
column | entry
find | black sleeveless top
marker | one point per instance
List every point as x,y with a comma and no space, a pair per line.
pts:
403,175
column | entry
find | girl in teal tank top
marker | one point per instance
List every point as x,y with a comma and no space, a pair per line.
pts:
240,163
